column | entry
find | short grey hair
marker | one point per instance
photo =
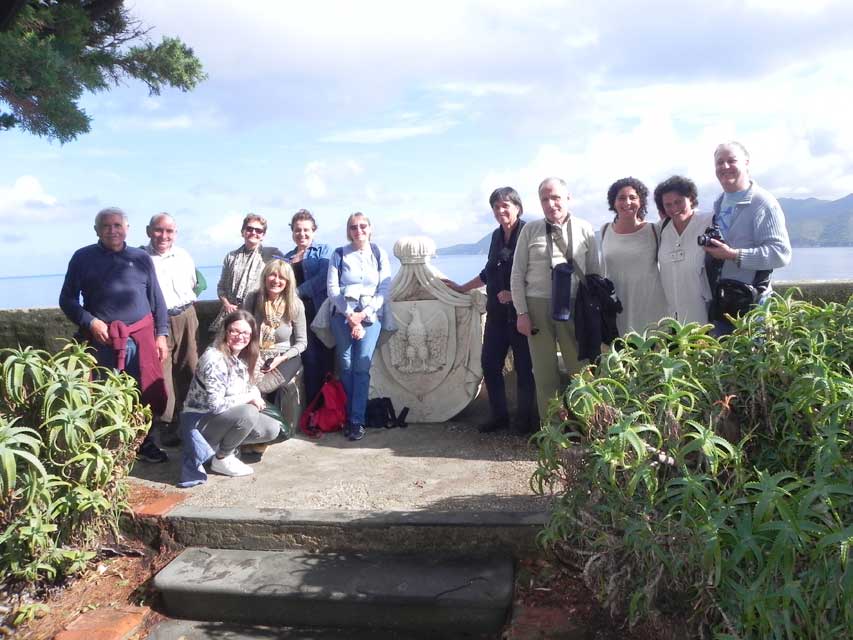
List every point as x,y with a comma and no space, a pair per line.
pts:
732,143
559,181
109,211
157,216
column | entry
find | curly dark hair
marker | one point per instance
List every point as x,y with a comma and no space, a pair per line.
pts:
637,186
680,185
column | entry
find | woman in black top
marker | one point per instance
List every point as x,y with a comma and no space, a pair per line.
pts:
500,333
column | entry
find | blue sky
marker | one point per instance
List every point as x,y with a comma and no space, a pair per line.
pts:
414,112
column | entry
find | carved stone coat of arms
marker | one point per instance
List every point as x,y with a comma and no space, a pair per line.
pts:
432,363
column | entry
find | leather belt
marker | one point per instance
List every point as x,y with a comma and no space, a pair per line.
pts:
176,311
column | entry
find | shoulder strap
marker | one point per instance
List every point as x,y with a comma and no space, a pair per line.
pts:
604,232
657,242
376,255
340,253
665,222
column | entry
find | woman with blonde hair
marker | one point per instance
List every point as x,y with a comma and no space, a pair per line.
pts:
359,281
280,316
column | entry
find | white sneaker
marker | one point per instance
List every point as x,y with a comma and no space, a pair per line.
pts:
230,466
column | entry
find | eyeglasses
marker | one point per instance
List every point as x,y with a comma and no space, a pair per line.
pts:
242,334
256,230
356,227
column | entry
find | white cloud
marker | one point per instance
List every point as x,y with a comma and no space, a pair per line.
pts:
204,119
354,167
26,198
388,134
315,186
223,232
485,89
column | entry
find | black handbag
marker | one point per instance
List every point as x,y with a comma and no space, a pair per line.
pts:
732,298
380,413
561,292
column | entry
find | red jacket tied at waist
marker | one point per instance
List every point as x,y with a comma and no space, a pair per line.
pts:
151,382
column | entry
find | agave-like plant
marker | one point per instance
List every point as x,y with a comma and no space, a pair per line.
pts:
68,432
707,484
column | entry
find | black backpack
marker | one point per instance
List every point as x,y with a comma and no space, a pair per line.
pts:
380,413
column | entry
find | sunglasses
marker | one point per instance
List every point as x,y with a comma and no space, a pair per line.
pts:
256,230
356,227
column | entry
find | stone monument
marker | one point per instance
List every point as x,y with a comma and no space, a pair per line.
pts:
431,364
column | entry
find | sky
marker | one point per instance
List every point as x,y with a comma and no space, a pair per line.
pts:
413,112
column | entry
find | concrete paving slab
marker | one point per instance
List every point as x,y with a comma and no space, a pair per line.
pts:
435,467
440,593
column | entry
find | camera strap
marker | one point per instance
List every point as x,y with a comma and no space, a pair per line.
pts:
554,235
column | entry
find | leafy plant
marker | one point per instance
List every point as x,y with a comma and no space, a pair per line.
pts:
68,433
707,484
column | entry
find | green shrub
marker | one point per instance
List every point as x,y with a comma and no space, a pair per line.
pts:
67,441
708,485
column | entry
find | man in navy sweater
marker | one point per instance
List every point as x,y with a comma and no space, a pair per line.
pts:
122,314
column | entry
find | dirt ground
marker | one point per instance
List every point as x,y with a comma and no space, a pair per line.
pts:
119,576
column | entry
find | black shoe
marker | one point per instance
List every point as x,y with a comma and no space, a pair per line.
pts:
170,434
493,425
356,432
150,452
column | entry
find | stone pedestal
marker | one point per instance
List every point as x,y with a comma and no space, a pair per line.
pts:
432,363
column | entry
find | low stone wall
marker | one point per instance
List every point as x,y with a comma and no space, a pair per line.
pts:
47,328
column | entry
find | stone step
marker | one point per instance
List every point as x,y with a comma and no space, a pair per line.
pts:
448,596
391,531
199,630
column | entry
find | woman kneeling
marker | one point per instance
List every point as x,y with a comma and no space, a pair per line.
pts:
222,404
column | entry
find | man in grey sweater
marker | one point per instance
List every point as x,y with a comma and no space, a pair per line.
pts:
752,225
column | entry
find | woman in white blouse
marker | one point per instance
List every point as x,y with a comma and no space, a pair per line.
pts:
222,404
359,280
681,259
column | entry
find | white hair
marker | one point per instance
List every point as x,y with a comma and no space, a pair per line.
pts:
109,211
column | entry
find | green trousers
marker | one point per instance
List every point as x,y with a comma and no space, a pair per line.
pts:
543,351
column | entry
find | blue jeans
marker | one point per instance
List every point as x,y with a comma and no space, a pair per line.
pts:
106,357
354,358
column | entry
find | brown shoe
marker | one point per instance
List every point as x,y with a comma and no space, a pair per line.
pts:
254,449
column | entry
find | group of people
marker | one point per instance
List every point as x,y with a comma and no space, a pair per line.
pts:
135,306
680,266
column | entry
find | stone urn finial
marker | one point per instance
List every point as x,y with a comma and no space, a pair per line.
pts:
414,249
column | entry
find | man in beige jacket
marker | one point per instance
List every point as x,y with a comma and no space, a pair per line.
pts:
543,244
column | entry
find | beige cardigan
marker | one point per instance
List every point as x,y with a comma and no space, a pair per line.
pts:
531,266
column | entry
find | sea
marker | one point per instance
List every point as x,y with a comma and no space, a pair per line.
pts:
39,291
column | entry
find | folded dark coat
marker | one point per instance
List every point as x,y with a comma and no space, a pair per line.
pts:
596,306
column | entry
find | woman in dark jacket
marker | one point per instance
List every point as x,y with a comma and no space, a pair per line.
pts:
310,263
501,334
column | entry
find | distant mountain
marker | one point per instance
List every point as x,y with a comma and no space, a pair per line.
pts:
819,223
481,247
811,223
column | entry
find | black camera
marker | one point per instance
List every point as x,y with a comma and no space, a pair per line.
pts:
711,233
